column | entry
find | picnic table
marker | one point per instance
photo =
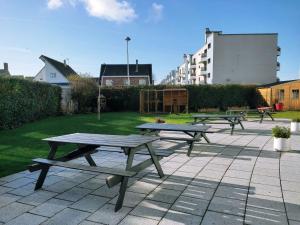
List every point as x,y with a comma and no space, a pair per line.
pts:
88,144
232,120
265,111
194,133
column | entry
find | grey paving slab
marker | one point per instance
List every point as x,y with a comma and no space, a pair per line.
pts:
6,199
189,205
67,217
74,194
264,217
24,190
13,210
134,220
238,174
27,219
93,183
293,222
107,215
205,182
226,205
37,197
263,189
232,192
215,218
90,223
266,202
131,199
290,186
51,207
235,182
259,179
198,192
60,186
19,182
151,209
179,218
105,191
142,186
90,203
293,211
173,184
164,195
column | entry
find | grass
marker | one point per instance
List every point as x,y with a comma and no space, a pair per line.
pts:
19,146
288,114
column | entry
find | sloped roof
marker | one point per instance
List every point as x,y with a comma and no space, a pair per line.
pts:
64,70
121,70
275,83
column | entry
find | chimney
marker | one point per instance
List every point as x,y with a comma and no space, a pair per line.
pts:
5,65
65,63
137,66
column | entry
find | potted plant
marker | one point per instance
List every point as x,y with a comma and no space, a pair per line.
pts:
281,138
295,125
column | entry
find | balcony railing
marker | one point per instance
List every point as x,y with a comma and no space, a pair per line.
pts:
278,51
278,66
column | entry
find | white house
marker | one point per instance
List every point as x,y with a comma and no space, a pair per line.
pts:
54,72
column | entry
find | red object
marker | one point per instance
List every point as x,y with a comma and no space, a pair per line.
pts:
279,106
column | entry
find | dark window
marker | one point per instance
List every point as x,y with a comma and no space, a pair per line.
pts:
295,94
208,61
281,95
205,51
209,45
208,75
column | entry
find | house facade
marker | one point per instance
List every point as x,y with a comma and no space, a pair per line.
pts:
4,72
232,59
115,75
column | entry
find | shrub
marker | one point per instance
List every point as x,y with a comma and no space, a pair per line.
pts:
22,101
281,132
297,120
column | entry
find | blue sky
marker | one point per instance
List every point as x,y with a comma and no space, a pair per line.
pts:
91,32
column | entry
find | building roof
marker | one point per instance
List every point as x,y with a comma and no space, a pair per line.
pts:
275,83
64,70
121,70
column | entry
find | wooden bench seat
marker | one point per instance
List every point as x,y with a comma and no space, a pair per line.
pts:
105,170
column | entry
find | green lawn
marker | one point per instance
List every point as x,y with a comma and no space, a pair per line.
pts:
19,146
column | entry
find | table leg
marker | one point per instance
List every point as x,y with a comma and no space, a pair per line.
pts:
270,115
232,124
191,143
262,115
240,122
90,160
155,160
205,137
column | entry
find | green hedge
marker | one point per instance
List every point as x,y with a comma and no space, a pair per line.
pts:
22,101
201,96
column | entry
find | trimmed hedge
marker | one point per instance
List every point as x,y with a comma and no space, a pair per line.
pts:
22,101
201,96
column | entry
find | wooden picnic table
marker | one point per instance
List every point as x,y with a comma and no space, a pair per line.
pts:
88,144
207,119
194,132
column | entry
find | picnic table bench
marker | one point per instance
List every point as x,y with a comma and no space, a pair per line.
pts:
194,133
89,144
261,111
232,120
265,111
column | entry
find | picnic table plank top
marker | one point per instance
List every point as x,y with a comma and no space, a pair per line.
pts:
216,116
127,141
174,127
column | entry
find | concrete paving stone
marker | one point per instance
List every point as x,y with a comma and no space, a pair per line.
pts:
142,186
179,218
24,190
89,223
293,211
293,222
13,210
223,160
188,169
60,186
90,203
131,199
185,175
264,217
290,186
238,174
107,215
67,217
235,182
263,189
258,179
266,172
199,192
134,220
19,182
105,191
226,205
27,219
6,199
211,173
266,202
241,167
205,182
267,166
74,194
164,195
232,192
151,209
51,207
174,184
215,218
189,205
217,167
11,177
4,189
38,197
52,180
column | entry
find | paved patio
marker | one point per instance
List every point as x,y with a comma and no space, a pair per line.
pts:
238,179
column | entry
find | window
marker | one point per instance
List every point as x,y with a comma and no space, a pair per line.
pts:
52,75
209,45
108,82
281,95
205,51
295,94
125,82
208,61
142,82
208,75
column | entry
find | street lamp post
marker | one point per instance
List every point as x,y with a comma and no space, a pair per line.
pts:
128,79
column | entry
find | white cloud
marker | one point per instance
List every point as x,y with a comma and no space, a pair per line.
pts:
156,12
112,10
54,4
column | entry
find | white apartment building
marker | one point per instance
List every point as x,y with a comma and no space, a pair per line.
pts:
232,59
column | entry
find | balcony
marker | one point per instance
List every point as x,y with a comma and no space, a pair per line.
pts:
203,70
278,51
193,65
203,57
278,66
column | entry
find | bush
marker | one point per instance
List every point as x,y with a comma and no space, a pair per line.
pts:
22,101
297,120
281,132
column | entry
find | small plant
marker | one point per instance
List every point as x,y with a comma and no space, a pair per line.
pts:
159,120
297,120
281,132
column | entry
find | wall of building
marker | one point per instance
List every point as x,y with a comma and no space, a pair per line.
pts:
244,59
45,75
122,81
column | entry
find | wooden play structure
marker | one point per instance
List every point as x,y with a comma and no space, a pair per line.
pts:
164,101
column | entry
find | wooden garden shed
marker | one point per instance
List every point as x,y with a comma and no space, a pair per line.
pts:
286,92
173,100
